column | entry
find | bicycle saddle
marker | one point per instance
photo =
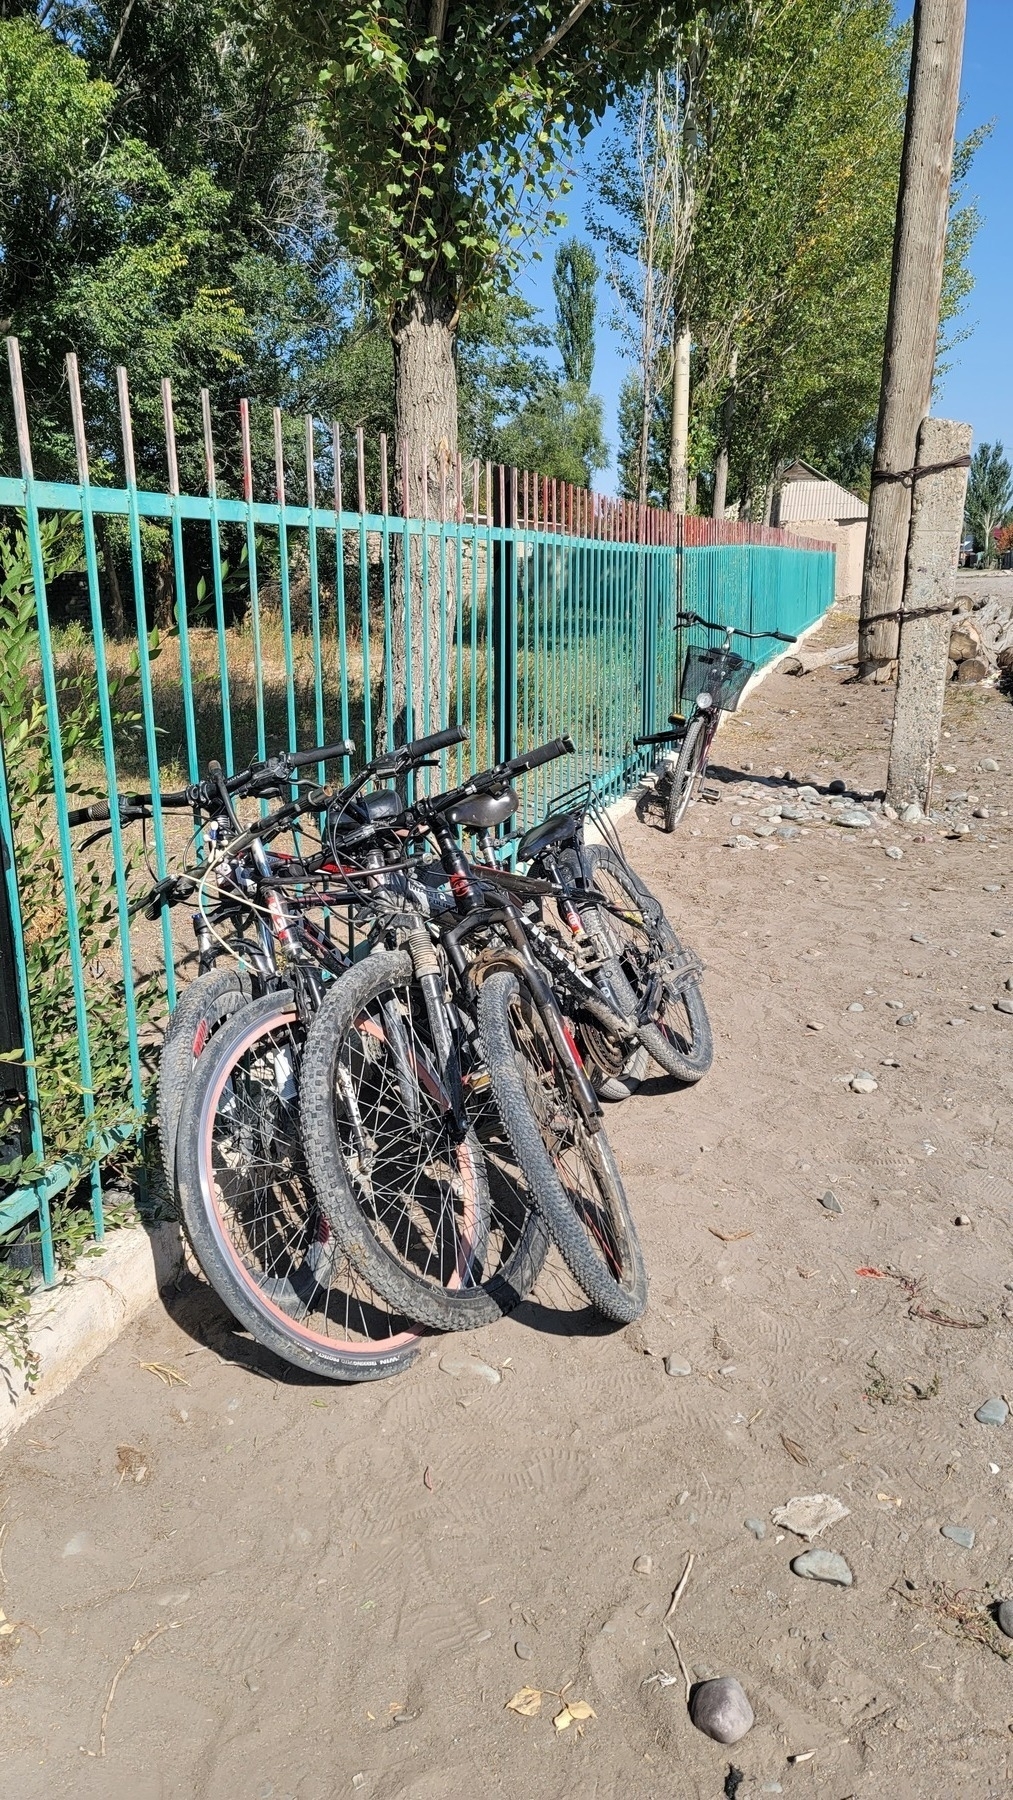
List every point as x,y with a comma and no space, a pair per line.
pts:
480,812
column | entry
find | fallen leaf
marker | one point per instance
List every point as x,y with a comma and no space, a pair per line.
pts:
890,1499
795,1451
880,1274
574,1712
427,1480
527,1701
165,1373
728,1237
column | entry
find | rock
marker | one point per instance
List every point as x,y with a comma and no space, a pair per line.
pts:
959,1534
980,812
863,1083
854,817
816,1025
747,767
674,1366
759,1530
997,931
788,831
721,1710
918,937
811,795
794,812
808,1514
523,1650
989,765
889,1062
830,1202
1004,1617
890,812
894,852
992,1412
895,1005
977,1007
1004,1006
462,1364
959,831
836,786
823,1565
911,815
956,1021
961,1219
973,668
643,1565
908,1018
763,831
856,1006
1008,983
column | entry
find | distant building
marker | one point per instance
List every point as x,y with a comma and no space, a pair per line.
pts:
811,505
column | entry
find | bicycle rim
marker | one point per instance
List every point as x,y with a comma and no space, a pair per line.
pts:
287,1269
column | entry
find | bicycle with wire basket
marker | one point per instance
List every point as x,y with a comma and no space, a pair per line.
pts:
714,677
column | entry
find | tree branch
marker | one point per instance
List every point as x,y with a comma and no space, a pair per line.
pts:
559,33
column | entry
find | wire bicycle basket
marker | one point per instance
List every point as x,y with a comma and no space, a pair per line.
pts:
718,672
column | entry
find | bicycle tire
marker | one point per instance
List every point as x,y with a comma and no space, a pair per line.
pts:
349,1335
430,1254
595,1234
200,1011
689,764
680,1041
619,1084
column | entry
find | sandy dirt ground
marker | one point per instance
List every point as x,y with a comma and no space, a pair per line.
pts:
303,1592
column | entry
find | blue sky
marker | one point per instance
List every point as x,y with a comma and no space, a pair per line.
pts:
979,385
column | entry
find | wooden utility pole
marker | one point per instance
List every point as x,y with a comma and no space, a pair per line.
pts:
937,514
678,462
913,321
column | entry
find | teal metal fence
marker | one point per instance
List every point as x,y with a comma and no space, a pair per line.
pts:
523,608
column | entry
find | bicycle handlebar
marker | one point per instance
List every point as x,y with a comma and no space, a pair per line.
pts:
259,778
694,618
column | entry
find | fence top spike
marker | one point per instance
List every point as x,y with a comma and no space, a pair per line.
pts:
279,457
20,408
209,444
311,478
126,425
77,418
169,422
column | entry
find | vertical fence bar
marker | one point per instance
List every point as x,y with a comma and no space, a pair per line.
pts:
22,1004
106,724
318,661
144,661
284,582
388,633
367,678
179,580
211,480
246,451
339,593
408,609
51,695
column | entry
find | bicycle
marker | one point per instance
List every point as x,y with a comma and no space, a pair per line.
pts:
715,676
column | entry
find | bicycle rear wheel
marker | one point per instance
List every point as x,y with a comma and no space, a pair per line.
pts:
570,1168
440,1224
251,1214
679,1036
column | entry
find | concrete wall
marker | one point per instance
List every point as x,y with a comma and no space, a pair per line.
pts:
848,539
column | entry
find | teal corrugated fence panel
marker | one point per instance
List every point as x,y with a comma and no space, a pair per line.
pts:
144,630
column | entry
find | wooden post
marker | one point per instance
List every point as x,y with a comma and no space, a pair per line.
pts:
678,462
913,320
937,515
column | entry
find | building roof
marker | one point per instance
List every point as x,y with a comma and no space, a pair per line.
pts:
806,494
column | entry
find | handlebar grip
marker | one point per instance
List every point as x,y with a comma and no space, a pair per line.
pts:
783,637
300,759
440,740
533,759
89,815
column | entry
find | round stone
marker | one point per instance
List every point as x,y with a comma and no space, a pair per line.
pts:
721,1709
1004,1617
756,1526
523,1650
854,817
836,786
823,1565
959,1534
992,1412
1004,1006
863,1082
895,852
856,1006
643,1565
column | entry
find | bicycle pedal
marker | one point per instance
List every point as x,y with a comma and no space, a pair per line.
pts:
712,795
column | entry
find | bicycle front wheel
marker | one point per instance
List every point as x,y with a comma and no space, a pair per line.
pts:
690,764
251,1214
202,1009
679,1036
439,1222
570,1168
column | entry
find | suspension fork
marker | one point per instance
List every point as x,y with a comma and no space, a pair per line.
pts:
429,975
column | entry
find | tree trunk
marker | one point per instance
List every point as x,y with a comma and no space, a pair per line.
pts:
114,595
678,453
644,443
937,516
721,460
425,417
913,319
